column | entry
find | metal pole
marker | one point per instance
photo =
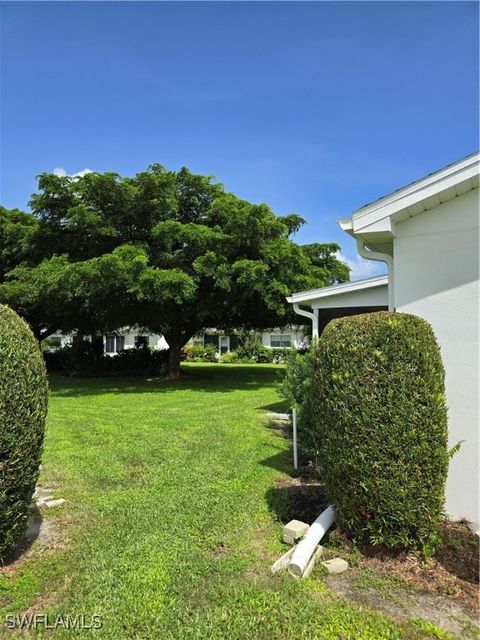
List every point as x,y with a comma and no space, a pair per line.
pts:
294,425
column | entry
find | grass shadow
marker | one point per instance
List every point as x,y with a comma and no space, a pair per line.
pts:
209,378
31,533
297,501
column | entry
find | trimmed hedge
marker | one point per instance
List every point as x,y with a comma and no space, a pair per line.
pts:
23,410
89,361
380,426
296,387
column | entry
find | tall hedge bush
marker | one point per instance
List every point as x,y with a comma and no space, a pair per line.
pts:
381,427
297,389
23,409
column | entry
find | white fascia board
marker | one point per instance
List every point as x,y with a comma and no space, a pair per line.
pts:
337,289
363,219
415,193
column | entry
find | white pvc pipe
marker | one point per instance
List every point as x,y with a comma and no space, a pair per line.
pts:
306,547
294,427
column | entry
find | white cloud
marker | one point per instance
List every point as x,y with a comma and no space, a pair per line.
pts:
60,171
360,268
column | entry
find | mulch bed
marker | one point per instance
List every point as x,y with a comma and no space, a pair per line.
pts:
453,571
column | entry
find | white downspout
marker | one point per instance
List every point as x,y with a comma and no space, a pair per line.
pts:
308,314
381,257
306,547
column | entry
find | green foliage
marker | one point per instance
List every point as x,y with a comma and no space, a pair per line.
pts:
23,409
199,353
88,359
173,249
380,427
17,231
263,354
145,466
297,388
230,358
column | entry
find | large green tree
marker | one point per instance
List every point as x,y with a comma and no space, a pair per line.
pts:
169,251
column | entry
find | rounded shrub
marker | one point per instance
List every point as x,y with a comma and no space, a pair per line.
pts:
23,409
380,427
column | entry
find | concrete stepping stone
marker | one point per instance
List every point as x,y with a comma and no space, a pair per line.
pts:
54,503
336,565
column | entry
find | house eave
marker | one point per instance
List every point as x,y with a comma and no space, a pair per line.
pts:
420,196
337,289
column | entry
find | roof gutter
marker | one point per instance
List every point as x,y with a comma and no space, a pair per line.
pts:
307,314
381,257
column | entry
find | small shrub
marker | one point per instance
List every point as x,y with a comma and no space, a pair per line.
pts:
380,427
199,353
229,358
210,353
186,353
263,354
279,356
23,409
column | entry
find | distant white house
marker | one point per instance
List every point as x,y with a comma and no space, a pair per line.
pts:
129,338
279,338
427,233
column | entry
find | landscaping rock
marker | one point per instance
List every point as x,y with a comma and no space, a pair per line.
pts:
54,503
294,530
336,565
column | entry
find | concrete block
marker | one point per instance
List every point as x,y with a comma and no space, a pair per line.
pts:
311,564
283,417
295,530
54,503
282,562
336,565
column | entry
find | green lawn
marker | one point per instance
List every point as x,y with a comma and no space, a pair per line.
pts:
167,528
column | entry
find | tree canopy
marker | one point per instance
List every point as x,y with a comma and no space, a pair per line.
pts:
171,252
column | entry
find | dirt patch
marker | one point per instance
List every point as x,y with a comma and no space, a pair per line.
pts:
453,571
402,602
46,533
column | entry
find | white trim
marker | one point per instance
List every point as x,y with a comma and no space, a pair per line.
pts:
337,289
443,181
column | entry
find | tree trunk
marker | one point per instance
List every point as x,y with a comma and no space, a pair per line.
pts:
174,354
176,342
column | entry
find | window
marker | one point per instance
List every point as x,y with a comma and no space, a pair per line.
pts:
211,339
280,340
223,344
141,342
55,341
114,344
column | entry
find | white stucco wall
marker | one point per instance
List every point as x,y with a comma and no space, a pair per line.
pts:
154,340
436,271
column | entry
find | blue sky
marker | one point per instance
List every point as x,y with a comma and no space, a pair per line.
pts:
315,108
